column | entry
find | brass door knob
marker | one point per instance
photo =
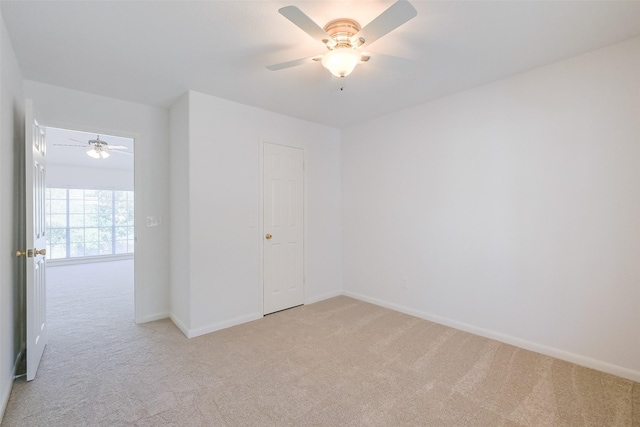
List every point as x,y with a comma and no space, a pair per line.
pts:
268,236
28,253
39,252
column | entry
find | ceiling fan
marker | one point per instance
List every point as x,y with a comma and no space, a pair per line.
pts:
99,149
344,37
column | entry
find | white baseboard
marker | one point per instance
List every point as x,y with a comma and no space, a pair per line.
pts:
507,339
153,317
192,333
6,392
88,260
6,389
180,325
17,362
312,300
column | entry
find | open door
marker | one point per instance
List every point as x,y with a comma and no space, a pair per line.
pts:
35,150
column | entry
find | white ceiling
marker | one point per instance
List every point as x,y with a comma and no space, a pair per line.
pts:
69,148
153,51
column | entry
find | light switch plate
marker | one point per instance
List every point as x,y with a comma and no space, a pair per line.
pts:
153,221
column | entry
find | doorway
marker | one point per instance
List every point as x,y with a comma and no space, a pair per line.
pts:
90,229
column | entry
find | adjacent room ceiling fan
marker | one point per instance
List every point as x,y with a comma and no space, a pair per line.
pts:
344,37
99,149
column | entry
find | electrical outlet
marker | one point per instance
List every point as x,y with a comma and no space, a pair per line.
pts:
403,282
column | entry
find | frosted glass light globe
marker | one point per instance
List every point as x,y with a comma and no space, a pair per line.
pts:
341,61
98,154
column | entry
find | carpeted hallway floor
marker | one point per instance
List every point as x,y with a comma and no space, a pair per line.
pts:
340,362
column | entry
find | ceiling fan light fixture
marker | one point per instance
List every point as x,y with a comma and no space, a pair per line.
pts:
341,61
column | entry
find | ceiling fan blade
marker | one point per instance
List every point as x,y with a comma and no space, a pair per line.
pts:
77,140
306,24
116,147
386,61
126,153
294,63
397,14
71,145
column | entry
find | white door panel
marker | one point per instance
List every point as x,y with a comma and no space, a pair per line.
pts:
35,166
283,226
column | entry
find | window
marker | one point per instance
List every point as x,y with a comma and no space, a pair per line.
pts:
85,223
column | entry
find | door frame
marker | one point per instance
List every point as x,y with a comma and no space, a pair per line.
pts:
260,219
137,192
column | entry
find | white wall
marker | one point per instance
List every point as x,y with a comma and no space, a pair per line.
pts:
513,210
149,126
180,292
99,178
11,182
224,208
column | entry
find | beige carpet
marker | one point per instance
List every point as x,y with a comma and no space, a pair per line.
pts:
340,362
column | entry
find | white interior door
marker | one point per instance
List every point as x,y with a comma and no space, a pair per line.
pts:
35,150
283,226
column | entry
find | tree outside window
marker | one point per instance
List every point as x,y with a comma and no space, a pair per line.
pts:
87,223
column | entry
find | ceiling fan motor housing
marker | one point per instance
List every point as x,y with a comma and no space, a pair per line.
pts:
341,31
